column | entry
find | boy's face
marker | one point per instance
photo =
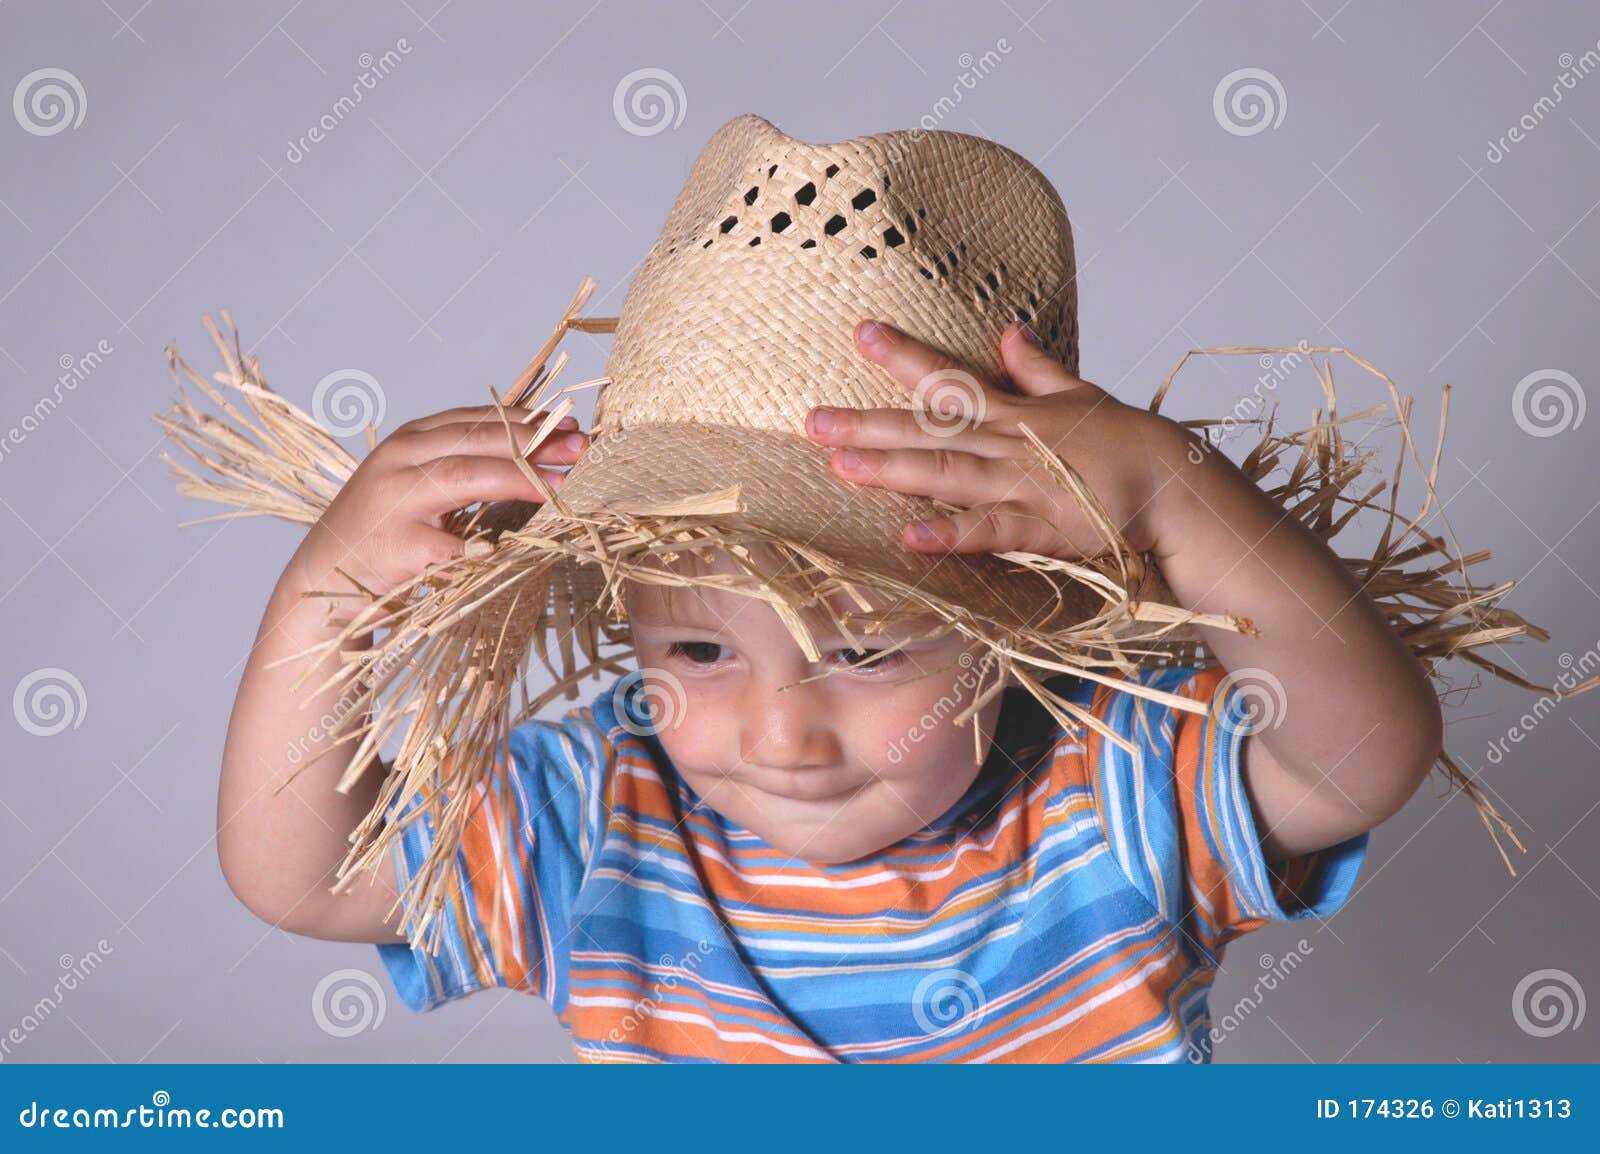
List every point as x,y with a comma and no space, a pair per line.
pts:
829,771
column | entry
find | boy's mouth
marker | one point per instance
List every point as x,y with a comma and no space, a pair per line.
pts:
811,785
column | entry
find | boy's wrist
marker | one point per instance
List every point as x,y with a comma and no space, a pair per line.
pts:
309,580
1180,466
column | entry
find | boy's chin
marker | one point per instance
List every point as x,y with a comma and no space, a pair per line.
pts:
824,847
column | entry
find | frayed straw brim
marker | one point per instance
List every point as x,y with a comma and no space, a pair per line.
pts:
543,579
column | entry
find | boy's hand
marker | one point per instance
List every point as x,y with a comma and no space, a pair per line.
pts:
963,446
384,525
1353,726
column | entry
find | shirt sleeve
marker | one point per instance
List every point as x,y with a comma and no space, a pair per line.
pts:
551,790
1180,822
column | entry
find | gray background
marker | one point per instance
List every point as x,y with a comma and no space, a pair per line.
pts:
434,235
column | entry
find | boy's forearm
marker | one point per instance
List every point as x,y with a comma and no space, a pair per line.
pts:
1356,711
280,850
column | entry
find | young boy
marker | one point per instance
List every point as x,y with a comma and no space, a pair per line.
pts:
731,857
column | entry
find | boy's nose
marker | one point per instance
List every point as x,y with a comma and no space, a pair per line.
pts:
786,729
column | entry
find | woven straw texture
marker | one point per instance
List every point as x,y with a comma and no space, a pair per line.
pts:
742,318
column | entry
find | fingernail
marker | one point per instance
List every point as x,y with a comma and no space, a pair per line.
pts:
922,533
875,336
576,441
823,419
1030,336
848,459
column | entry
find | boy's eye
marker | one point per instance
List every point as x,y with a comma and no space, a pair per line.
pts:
868,658
696,652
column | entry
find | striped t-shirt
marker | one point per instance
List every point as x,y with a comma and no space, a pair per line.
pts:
1072,906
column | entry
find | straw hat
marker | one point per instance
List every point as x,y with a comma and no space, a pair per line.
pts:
740,320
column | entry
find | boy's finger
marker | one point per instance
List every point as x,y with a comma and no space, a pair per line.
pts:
906,428
944,474
456,482
473,414
489,439
1035,372
939,381
1001,527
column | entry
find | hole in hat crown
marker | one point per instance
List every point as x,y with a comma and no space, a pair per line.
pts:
878,228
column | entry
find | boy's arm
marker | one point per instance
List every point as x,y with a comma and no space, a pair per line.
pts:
1356,727
279,851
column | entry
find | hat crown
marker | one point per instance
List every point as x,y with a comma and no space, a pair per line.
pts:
744,310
